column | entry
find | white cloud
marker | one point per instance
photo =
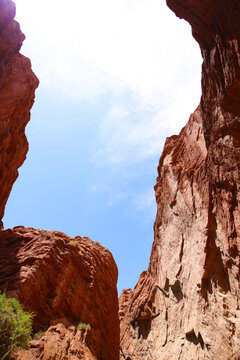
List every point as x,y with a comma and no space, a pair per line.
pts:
89,47
135,50
134,130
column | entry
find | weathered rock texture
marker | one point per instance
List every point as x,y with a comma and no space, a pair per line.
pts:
186,306
17,89
58,343
63,281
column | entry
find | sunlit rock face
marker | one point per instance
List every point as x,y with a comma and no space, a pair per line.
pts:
186,306
65,282
58,342
17,89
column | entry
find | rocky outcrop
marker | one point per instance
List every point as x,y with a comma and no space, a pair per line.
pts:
187,305
63,281
58,342
17,89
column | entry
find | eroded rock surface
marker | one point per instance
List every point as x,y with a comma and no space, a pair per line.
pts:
186,306
17,89
63,281
58,342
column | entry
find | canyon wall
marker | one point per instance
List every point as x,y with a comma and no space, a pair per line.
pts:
186,306
17,91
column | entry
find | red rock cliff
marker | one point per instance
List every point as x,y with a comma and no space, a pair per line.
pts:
17,89
64,281
186,306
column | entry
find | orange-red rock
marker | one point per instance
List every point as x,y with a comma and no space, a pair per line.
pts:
58,342
17,89
186,306
63,281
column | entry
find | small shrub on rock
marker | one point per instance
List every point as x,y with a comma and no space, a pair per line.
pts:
15,326
83,326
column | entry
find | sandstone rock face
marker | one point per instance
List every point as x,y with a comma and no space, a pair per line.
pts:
17,89
187,305
58,343
63,281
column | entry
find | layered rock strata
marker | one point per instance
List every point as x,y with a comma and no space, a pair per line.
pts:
64,282
17,89
187,305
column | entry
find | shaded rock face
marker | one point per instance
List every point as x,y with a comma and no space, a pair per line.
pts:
186,306
17,89
63,281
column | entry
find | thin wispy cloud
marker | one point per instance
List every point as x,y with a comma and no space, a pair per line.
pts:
134,130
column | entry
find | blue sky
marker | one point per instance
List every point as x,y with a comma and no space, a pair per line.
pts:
116,78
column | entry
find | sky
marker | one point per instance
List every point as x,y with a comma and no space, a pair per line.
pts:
116,78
